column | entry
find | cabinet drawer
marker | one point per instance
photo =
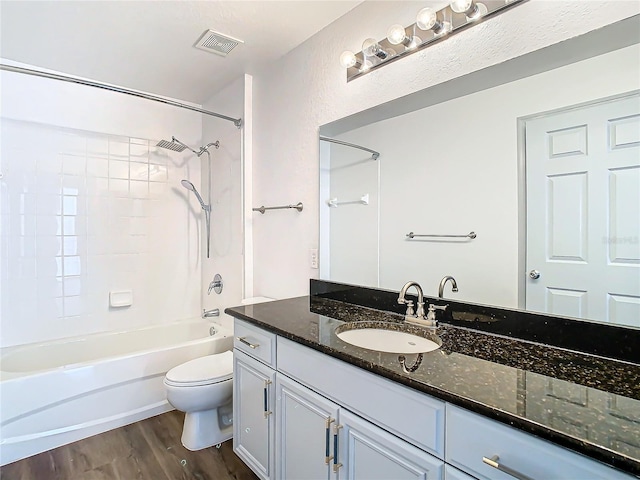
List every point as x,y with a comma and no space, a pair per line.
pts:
470,437
254,341
410,415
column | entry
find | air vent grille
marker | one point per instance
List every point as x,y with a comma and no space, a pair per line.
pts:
218,43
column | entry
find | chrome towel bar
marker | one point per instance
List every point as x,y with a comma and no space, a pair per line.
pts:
470,235
262,209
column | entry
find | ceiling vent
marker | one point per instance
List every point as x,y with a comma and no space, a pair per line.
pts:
218,43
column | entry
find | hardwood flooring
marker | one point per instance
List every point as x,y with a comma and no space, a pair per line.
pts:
147,450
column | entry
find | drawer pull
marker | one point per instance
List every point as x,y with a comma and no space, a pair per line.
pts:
493,462
251,345
328,457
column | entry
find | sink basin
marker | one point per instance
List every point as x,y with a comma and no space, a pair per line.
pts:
388,337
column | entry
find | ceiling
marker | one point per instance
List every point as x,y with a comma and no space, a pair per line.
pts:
148,45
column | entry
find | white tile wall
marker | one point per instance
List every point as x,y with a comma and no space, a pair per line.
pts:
84,213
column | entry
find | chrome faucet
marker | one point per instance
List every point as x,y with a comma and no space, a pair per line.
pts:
410,314
214,312
443,282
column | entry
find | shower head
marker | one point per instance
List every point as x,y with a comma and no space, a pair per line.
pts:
175,145
190,186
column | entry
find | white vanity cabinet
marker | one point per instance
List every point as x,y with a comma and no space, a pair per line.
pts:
304,433
318,439
470,438
301,414
368,452
254,398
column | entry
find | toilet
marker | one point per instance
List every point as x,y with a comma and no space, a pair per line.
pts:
203,388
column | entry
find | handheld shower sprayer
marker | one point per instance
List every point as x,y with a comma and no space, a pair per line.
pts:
177,146
190,186
207,209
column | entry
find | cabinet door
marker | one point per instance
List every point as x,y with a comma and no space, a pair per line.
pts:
370,453
305,422
253,424
451,473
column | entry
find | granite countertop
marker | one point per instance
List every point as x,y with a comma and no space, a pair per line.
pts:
586,403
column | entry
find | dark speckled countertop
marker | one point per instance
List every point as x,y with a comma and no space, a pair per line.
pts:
586,403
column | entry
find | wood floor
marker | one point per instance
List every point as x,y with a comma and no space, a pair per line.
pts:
147,450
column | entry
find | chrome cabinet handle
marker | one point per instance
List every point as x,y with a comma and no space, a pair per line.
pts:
493,462
267,412
328,457
336,464
251,345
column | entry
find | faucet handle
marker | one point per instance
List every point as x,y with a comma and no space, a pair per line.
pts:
431,314
409,312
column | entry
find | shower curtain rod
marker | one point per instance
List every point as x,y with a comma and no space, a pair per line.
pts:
374,154
64,78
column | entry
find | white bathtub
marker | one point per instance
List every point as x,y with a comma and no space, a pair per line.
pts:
58,392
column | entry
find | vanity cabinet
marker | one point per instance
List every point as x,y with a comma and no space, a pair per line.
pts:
254,378
368,452
304,433
301,414
470,438
318,439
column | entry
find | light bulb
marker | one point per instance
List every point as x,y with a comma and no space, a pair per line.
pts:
426,19
396,34
470,8
371,48
461,6
348,59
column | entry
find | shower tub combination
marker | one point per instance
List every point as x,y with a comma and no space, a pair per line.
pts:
58,392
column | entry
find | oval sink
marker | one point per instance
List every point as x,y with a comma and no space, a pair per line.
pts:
388,337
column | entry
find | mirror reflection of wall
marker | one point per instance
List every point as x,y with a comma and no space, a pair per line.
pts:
450,168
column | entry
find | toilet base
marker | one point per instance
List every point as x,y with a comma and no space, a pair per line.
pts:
207,428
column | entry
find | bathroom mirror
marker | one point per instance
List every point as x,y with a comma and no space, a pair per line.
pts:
452,162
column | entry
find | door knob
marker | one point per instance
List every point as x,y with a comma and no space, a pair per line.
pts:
534,274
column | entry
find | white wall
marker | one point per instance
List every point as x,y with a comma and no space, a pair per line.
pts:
436,179
90,205
226,199
307,88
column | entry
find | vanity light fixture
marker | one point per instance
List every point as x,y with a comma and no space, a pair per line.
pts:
427,19
470,8
397,35
371,48
431,26
348,59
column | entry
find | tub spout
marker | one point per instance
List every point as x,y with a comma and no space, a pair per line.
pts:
214,312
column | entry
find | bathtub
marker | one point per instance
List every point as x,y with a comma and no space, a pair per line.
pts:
58,392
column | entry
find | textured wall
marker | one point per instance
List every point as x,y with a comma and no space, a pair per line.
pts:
307,88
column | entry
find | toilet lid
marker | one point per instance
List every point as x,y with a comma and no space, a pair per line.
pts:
210,369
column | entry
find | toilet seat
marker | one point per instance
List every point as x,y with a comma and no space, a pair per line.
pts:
202,371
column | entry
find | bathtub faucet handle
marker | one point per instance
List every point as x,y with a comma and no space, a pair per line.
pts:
214,312
216,284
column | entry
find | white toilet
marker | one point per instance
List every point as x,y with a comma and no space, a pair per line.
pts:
202,388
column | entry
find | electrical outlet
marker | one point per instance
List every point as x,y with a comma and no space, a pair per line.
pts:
313,257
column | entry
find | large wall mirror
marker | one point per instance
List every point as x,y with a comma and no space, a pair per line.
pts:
455,159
